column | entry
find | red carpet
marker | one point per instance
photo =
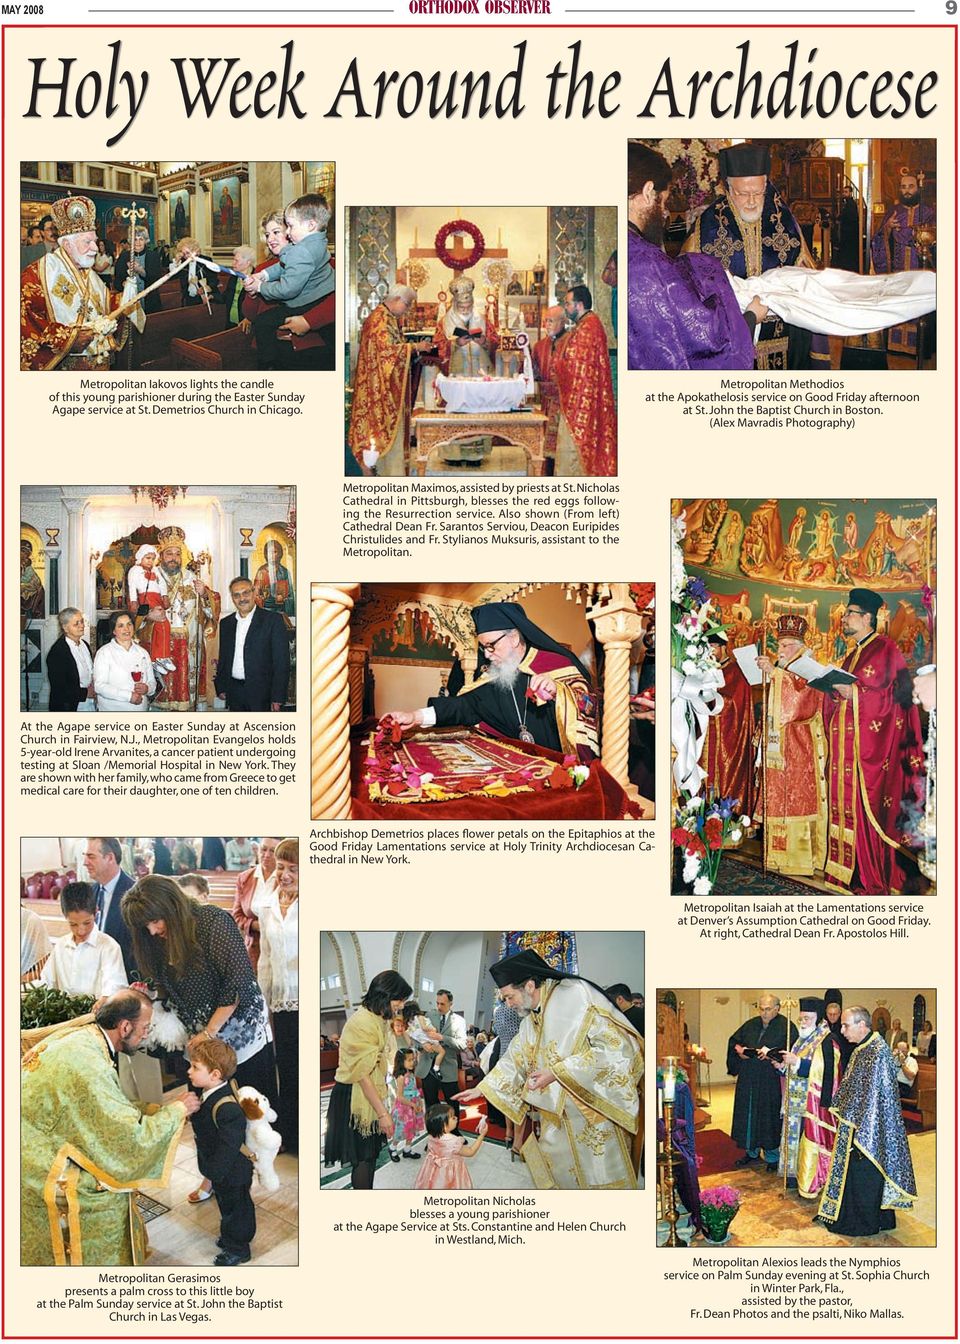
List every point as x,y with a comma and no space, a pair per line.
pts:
717,1151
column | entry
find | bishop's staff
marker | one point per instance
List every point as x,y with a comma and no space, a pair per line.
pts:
133,215
787,1006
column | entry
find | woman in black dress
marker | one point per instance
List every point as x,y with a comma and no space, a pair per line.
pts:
358,1119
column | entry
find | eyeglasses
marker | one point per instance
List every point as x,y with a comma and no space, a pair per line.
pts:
856,611
486,648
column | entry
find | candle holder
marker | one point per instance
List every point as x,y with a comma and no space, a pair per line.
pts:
668,1189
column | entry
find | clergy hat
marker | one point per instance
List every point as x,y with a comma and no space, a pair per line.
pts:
521,967
832,996
812,1006
493,616
791,626
747,160
866,598
529,965
74,214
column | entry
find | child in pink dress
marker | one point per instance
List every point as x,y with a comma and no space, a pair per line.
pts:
444,1167
407,1112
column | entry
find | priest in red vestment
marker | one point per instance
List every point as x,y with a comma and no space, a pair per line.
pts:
794,797
875,758
587,437
66,320
729,753
380,411
544,355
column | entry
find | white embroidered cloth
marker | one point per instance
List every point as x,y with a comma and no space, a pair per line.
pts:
840,303
479,396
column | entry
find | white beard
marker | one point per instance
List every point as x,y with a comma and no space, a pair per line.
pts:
505,672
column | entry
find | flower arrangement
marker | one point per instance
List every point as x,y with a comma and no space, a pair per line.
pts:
456,261
703,826
718,1208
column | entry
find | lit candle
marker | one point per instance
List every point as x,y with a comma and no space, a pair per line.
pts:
670,1078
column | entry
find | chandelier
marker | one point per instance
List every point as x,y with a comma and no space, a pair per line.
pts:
159,495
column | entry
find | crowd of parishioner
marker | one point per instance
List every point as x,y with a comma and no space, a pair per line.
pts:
744,290
83,301
570,365
836,774
167,648
818,1111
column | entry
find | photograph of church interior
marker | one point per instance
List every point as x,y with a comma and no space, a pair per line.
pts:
481,341
174,245
109,1158
165,556
839,232
501,701
804,658
501,1061
796,1117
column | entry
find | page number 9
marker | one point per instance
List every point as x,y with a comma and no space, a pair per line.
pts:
951,6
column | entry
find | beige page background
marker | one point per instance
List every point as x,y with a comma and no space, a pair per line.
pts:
561,1282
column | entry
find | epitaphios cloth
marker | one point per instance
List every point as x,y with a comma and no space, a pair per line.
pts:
869,1121
585,387
85,1150
460,764
590,1113
840,303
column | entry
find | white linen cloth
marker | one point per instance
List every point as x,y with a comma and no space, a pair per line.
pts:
481,396
840,303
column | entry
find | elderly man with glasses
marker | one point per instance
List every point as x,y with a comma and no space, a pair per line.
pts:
875,763
529,688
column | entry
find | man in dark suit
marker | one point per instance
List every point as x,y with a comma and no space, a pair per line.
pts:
453,1032
69,664
102,862
621,997
254,664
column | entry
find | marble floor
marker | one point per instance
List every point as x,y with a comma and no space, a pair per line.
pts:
187,1234
491,1169
771,1222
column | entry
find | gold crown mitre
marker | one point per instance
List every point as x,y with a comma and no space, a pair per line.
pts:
172,536
74,214
791,626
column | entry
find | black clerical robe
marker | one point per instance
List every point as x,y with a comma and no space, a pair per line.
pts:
756,1103
567,724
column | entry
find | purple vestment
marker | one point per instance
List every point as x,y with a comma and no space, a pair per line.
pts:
682,314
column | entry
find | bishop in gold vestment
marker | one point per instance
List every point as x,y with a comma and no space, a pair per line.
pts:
85,1150
575,1067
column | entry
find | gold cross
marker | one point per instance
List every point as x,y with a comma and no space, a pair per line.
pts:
868,671
875,725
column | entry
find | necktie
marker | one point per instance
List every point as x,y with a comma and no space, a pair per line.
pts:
100,892
443,1021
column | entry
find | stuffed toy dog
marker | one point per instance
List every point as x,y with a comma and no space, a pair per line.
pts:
262,1139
